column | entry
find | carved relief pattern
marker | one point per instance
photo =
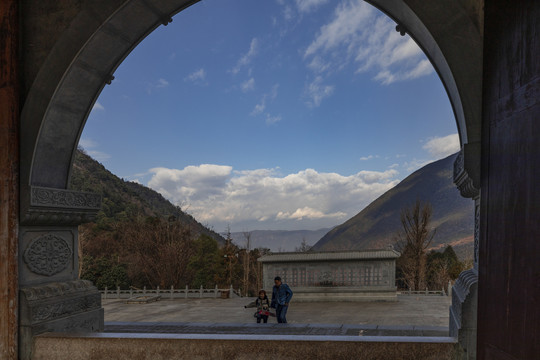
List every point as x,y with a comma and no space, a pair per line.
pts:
459,165
48,217
64,198
67,307
48,255
57,289
476,232
461,178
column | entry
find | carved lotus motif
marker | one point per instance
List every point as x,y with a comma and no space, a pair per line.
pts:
47,255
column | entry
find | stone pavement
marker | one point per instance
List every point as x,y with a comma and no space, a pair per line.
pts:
409,316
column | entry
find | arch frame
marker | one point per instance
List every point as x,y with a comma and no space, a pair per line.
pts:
81,61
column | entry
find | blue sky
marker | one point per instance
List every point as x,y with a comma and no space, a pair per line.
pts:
272,114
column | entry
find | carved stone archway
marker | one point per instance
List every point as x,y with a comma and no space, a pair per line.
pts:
68,65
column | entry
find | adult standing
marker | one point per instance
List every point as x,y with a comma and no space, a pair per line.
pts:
281,296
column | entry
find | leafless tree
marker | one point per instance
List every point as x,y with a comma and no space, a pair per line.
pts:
412,241
304,247
159,250
247,236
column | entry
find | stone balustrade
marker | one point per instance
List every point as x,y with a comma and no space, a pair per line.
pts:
171,293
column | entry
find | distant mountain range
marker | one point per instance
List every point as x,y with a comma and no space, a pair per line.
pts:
376,226
279,240
122,200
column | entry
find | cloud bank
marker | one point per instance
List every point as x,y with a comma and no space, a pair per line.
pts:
264,199
440,147
358,35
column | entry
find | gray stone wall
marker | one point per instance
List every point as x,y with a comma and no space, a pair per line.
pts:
345,273
335,280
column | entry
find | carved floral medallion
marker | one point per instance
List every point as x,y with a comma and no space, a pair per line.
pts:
47,255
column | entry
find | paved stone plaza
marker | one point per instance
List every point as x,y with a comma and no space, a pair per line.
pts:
420,311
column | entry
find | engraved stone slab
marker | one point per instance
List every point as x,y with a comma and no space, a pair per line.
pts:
48,255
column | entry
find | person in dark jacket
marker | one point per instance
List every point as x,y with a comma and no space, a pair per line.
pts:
263,307
281,296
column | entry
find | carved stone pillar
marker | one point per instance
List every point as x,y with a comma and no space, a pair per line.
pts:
463,312
52,298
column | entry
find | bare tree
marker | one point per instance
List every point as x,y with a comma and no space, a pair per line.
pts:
304,247
159,250
247,236
412,241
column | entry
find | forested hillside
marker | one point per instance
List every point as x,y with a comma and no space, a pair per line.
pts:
139,238
376,226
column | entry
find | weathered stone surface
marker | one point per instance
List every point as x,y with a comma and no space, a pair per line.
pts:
463,313
334,276
170,346
64,307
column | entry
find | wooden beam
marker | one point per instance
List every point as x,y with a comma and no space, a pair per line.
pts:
9,177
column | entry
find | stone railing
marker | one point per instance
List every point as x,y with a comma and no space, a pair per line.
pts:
172,293
424,292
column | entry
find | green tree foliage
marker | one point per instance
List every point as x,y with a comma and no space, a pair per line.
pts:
442,267
105,272
206,263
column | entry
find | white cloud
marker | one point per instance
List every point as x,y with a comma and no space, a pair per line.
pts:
305,6
272,119
316,92
89,146
161,83
358,35
369,157
288,13
263,198
198,76
416,164
97,106
86,143
308,213
440,147
246,58
260,107
248,85
98,155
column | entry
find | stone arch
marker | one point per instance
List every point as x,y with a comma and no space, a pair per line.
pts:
74,61
102,34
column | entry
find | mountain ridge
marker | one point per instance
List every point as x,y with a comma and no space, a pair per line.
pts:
122,200
377,224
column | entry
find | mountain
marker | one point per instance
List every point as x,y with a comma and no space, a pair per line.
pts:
122,200
279,240
376,226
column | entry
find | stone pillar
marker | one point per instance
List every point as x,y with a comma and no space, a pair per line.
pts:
463,312
52,298
9,176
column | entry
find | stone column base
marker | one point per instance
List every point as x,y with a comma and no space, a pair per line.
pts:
73,306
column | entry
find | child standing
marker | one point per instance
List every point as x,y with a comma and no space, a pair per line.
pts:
263,307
